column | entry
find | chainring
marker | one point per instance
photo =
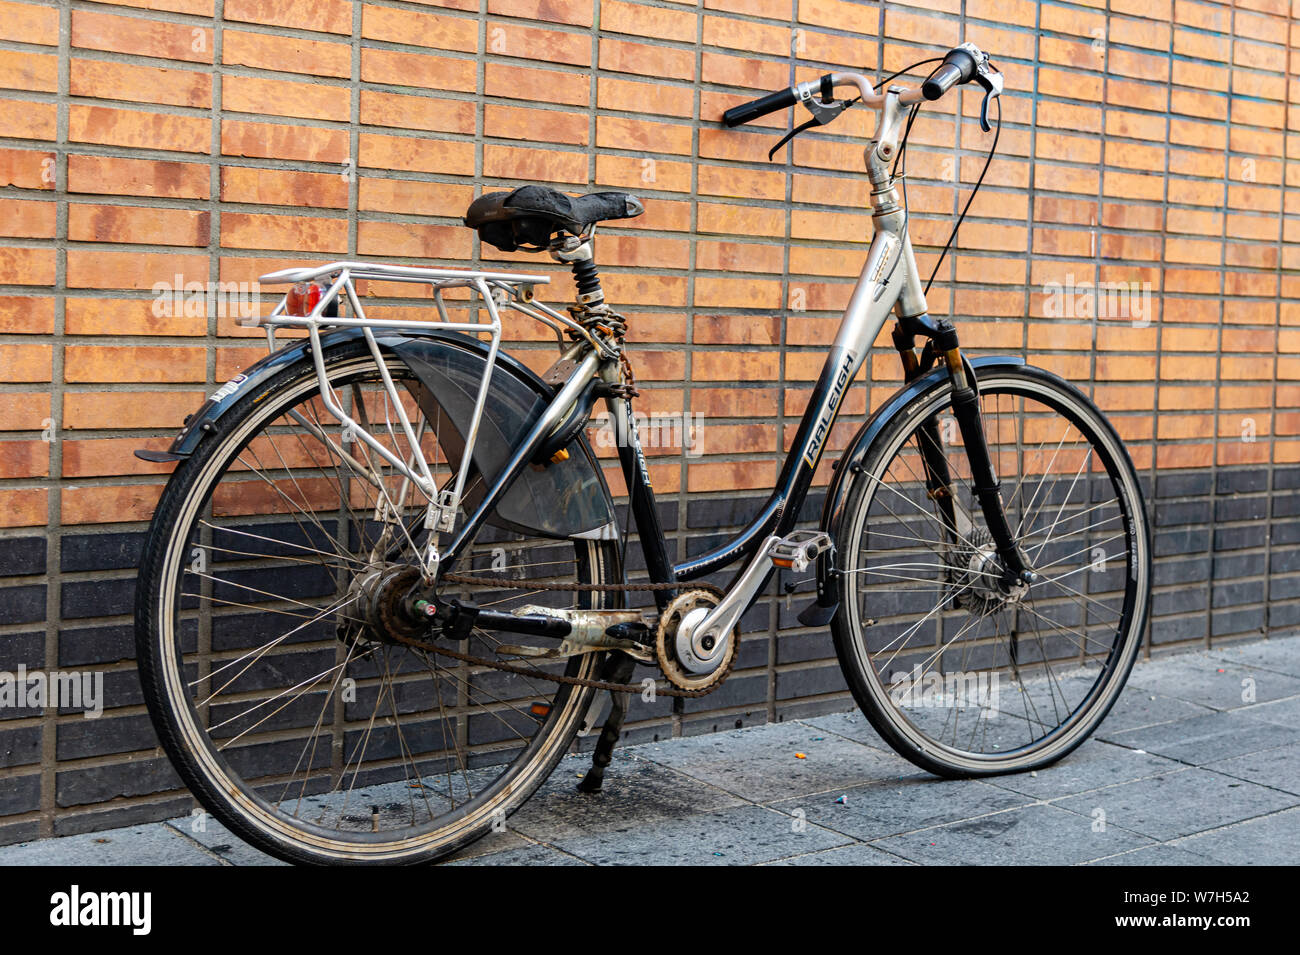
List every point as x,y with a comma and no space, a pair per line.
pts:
701,597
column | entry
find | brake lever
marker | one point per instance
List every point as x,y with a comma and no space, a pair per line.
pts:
991,79
823,113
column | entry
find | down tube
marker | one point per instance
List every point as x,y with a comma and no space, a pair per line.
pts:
883,277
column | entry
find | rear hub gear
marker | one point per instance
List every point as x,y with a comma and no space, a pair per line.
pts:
377,613
691,660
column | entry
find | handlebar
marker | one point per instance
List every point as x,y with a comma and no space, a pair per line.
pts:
960,65
745,112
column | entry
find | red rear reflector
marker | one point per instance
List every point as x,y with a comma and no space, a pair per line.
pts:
302,298
540,709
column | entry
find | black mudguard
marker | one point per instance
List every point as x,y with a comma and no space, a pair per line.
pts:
566,499
846,469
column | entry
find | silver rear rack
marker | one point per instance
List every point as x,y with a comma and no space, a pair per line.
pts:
489,291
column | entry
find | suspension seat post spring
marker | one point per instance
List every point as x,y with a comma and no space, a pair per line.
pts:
587,278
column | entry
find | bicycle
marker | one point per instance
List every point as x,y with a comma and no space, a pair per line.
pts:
384,583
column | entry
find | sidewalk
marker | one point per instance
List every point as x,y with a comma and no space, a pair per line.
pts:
1182,772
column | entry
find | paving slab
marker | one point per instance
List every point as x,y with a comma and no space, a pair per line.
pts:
1180,803
1255,842
761,764
220,841
1205,739
1034,835
1138,706
153,844
1282,712
1093,765
857,854
637,793
529,853
743,835
1162,853
889,808
1213,682
1278,768
1280,654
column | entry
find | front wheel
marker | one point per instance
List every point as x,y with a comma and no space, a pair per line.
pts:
959,672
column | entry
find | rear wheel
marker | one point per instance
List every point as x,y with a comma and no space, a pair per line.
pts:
960,673
273,558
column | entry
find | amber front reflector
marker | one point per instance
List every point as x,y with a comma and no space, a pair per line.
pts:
540,709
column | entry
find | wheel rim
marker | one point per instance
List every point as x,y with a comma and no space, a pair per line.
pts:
344,746
948,679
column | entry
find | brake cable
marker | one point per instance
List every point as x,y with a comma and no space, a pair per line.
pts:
978,182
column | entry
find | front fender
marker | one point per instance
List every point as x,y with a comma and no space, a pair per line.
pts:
566,499
847,467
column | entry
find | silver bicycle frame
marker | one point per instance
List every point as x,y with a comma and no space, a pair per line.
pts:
889,283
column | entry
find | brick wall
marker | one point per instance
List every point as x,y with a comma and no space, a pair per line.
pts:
216,139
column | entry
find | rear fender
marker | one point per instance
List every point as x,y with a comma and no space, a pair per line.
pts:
566,499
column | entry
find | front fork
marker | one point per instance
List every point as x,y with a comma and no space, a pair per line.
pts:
965,406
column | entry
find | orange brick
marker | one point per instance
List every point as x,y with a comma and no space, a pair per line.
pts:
537,86
413,196
29,71
322,16
286,54
138,409
108,79
23,266
88,223
100,504
138,130
24,412
26,363
27,219
29,23
418,154
133,363
417,112
248,230
250,94
23,506
93,268
109,175
413,241
24,119
418,69
26,315
424,29
282,187
141,36
265,140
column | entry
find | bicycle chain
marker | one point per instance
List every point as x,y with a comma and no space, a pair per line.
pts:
474,580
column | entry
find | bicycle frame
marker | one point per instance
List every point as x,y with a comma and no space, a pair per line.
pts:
889,283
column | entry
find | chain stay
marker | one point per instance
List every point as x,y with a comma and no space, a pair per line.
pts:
485,581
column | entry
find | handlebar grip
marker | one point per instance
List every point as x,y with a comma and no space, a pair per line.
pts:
958,67
745,112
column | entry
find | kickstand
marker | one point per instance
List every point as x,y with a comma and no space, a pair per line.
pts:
619,670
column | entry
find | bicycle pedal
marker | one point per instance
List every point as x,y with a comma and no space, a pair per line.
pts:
799,549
